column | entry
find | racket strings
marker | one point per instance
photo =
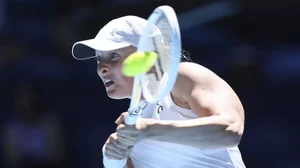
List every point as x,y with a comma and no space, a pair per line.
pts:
162,46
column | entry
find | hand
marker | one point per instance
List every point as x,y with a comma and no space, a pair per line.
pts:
120,143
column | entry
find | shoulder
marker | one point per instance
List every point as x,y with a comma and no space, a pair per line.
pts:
196,75
195,72
200,88
192,76
185,66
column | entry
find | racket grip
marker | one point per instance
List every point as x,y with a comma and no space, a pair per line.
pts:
132,116
109,163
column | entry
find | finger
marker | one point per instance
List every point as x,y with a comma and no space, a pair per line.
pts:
121,118
115,147
127,129
120,127
112,157
111,153
127,140
121,147
113,141
127,134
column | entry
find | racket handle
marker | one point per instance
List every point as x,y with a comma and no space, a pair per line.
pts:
132,116
109,163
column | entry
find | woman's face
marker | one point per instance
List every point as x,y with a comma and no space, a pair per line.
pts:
109,68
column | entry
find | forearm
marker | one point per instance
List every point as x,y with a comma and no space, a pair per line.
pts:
213,132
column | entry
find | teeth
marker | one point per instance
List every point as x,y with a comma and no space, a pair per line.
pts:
107,80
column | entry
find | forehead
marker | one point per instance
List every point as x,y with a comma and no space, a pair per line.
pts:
100,53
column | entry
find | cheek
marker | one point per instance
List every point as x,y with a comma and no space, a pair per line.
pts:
129,82
124,80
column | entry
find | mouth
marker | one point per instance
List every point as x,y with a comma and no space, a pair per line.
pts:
108,82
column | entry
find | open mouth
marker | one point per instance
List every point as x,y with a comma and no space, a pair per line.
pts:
108,82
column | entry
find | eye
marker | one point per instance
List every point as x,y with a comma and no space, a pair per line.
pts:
98,59
114,56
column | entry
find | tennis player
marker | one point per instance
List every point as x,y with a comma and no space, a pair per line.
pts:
201,122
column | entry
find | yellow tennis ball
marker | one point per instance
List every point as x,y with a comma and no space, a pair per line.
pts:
138,63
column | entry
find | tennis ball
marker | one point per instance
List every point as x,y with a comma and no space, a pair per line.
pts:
138,63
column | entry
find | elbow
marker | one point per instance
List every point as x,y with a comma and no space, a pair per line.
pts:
233,128
234,133
233,139
223,139
227,139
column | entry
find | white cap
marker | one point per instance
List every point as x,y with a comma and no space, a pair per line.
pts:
118,33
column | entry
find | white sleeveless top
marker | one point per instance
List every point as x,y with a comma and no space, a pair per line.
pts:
155,154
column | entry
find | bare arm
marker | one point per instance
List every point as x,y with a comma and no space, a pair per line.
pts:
221,115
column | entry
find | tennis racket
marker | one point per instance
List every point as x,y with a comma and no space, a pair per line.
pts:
161,35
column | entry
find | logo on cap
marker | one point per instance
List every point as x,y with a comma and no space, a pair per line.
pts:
112,33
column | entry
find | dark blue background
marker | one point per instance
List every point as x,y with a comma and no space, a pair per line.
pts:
254,47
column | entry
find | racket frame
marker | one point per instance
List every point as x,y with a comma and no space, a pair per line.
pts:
134,109
169,79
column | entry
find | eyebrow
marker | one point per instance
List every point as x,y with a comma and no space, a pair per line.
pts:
121,49
101,54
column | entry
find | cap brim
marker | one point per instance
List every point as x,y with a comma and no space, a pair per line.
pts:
83,50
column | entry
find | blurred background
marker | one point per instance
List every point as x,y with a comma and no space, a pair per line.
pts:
52,106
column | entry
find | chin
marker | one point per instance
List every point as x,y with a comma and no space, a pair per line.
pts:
116,96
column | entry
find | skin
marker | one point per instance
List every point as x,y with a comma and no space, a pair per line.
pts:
109,67
220,122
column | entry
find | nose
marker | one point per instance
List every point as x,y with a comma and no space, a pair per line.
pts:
102,69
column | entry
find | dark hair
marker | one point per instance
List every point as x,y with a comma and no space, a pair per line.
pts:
185,56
